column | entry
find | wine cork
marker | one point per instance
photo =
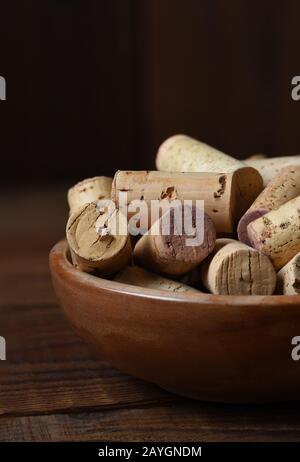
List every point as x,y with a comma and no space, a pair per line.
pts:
277,234
94,246
137,276
288,278
236,269
169,254
89,190
282,188
270,167
222,195
181,153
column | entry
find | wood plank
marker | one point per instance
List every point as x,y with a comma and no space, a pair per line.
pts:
49,369
177,422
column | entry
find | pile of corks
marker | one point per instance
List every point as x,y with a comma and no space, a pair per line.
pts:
251,243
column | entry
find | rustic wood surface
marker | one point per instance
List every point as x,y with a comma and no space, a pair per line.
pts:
54,387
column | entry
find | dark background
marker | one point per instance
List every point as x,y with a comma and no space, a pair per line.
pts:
95,85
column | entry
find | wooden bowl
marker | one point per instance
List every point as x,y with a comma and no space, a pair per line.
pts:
217,348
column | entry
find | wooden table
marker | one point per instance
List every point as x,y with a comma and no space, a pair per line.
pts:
54,387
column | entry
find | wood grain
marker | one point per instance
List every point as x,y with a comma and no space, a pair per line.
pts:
50,369
181,422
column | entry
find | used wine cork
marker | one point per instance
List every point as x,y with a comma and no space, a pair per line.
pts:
169,254
270,167
181,153
137,276
282,188
94,246
89,190
223,199
236,269
288,278
277,234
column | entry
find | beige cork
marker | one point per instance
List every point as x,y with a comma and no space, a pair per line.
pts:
270,167
170,254
89,190
236,269
181,153
137,276
277,234
224,201
288,278
94,246
282,188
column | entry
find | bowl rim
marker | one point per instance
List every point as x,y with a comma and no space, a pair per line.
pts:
58,256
